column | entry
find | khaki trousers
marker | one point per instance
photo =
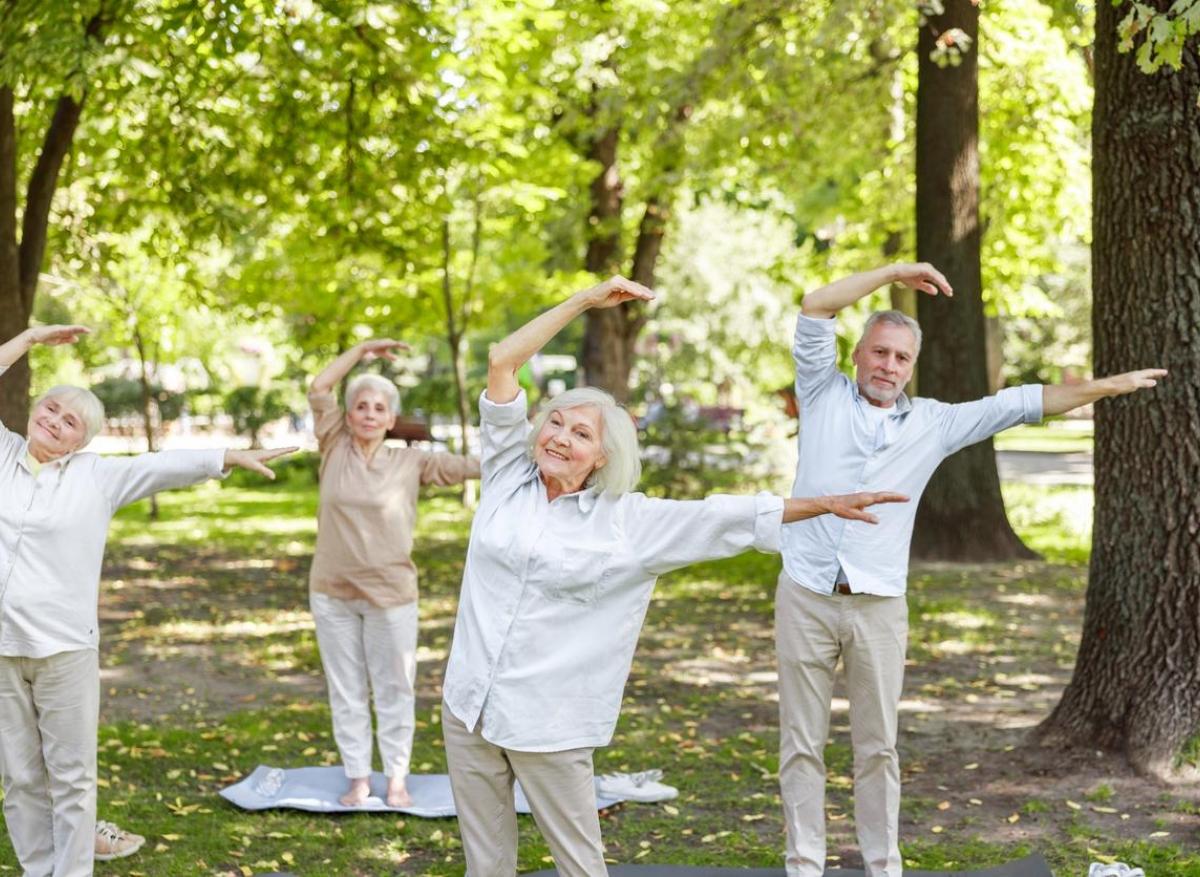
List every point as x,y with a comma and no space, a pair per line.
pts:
367,649
558,785
49,714
870,635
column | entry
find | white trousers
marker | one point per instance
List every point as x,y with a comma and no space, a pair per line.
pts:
49,714
559,786
870,635
365,650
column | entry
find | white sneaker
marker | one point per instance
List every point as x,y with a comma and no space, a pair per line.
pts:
113,843
643,786
1116,869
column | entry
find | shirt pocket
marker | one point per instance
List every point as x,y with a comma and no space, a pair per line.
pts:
575,574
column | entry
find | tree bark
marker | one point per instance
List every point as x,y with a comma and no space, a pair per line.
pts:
961,516
1136,686
21,262
455,334
147,396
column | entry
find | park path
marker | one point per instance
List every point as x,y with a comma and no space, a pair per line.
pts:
1045,467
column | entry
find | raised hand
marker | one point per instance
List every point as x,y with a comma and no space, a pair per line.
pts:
923,277
55,335
615,291
381,348
256,460
851,506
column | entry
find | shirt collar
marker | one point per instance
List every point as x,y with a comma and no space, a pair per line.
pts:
61,462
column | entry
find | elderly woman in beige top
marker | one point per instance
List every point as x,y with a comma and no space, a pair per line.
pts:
363,585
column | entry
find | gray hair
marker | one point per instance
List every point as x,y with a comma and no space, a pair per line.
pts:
83,402
373,382
618,438
894,318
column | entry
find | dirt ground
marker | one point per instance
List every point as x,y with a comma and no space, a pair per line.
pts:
180,647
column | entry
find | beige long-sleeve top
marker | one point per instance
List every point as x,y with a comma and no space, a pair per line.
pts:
367,510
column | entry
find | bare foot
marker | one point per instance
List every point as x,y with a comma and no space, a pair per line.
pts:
397,793
357,794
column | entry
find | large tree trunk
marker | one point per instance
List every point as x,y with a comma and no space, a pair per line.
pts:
1136,686
961,516
21,262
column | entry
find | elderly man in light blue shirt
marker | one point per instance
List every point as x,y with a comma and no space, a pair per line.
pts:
841,592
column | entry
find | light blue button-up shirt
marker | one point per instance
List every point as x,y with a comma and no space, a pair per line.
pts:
554,593
844,449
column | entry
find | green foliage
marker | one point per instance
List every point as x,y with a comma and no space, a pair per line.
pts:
687,456
252,408
122,397
1163,32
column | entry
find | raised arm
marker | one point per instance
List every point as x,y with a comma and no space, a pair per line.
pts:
340,367
828,300
15,348
1061,398
515,350
850,506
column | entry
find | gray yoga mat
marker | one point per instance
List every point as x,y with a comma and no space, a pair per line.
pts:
1030,866
316,789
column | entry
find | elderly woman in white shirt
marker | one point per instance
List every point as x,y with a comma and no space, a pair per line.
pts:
559,572
55,506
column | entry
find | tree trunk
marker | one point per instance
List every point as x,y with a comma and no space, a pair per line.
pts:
454,338
147,400
961,517
1136,686
21,262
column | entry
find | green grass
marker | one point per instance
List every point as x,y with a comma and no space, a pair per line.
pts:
1055,436
222,576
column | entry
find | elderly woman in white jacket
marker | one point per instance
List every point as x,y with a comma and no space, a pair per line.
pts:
55,506
559,572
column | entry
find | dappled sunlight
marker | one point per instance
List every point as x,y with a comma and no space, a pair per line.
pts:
204,631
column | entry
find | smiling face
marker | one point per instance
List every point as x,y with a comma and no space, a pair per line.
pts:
370,416
884,362
55,429
568,447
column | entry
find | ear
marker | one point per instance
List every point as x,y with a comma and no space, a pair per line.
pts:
391,421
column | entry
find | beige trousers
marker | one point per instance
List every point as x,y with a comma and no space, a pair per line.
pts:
558,785
365,650
870,635
49,714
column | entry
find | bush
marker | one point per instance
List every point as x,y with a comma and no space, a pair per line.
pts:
252,408
687,456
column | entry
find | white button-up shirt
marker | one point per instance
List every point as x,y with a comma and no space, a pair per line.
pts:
554,593
53,526
845,449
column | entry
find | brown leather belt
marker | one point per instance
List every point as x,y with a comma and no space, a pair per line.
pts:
843,588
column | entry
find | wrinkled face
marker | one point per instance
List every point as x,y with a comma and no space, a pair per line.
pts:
568,446
55,430
884,361
370,416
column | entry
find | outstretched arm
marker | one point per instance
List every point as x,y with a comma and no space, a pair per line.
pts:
15,348
851,506
340,367
828,300
1061,398
256,460
515,350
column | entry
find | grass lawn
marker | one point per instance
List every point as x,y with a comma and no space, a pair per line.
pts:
210,668
1056,436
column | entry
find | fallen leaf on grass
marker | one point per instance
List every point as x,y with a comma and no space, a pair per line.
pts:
1074,806
670,811
1016,817
944,805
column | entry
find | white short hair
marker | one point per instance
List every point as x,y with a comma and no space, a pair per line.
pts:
83,402
894,318
618,438
373,382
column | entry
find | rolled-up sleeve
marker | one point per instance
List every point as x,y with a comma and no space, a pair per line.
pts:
503,430
328,419
127,479
969,422
814,350
668,534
